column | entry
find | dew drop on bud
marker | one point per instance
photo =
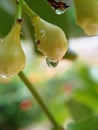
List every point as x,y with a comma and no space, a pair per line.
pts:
51,64
43,34
59,11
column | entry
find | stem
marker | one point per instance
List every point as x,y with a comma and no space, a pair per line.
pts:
18,11
39,100
28,10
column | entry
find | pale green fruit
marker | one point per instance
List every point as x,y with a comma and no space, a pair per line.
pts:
87,15
50,39
12,57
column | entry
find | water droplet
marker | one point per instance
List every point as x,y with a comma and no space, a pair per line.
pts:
59,11
51,64
43,35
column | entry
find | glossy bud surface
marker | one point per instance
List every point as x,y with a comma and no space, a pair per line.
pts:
12,57
50,39
87,15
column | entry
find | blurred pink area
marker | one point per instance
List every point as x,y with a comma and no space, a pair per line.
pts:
86,48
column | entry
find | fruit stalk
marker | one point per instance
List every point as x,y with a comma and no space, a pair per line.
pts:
28,10
18,17
39,100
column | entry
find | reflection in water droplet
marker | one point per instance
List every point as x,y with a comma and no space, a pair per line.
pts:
59,11
43,35
51,64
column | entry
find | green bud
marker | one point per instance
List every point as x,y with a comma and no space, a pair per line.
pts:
86,15
12,57
50,39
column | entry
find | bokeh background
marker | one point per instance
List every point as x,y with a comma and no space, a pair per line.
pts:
70,90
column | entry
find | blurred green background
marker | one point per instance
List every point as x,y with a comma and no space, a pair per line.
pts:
70,90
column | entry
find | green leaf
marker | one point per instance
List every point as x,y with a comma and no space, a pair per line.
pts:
79,110
87,124
6,22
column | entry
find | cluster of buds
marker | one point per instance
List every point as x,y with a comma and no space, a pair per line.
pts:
50,39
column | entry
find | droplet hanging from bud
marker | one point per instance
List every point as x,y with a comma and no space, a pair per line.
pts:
50,39
12,57
51,64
